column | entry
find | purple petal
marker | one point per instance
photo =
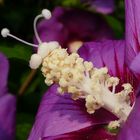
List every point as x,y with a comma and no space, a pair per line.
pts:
58,115
102,6
133,36
64,27
91,133
135,66
91,52
7,117
4,67
76,135
131,128
132,29
107,53
102,134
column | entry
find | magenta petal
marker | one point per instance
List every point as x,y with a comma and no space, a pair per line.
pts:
103,6
72,136
131,128
82,134
91,52
91,133
102,134
60,114
107,53
7,117
4,67
135,66
132,29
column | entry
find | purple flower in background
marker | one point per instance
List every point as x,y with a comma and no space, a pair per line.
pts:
102,6
72,27
7,104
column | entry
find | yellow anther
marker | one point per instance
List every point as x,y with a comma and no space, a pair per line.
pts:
127,87
103,70
88,65
72,89
75,95
63,82
114,124
112,81
60,90
48,82
79,60
89,104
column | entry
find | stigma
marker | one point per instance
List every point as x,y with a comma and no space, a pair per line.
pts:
82,80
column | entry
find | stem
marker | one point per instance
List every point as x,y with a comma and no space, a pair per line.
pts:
26,83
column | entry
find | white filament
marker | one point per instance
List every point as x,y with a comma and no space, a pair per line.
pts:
35,29
47,15
5,32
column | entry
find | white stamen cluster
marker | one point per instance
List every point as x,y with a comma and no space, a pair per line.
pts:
82,80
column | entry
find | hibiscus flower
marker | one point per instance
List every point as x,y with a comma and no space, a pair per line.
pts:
59,117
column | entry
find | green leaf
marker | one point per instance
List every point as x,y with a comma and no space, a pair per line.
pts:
18,51
24,125
24,118
70,2
116,25
23,131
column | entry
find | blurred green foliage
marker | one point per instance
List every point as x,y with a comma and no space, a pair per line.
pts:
23,127
18,17
17,51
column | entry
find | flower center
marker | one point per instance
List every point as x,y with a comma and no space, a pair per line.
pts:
82,80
